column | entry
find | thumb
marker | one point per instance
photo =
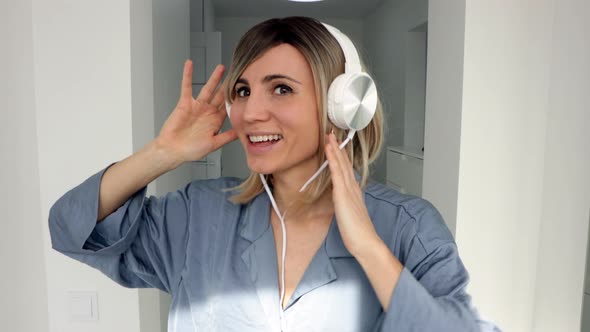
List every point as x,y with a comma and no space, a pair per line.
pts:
222,139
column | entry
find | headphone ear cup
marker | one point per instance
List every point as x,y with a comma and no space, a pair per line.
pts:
334,109
352,101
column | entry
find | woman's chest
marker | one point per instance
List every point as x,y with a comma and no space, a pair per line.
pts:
232,284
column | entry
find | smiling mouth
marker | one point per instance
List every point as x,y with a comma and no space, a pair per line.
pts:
264,138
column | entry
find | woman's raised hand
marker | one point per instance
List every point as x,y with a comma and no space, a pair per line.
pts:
192,129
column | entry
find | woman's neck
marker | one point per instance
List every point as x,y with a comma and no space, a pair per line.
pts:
286,186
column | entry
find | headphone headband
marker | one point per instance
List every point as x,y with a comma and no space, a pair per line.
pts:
353,63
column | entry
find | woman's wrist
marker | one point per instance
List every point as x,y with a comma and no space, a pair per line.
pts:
370,245
164,159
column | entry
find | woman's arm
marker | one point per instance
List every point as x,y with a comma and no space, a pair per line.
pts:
356,228
142,240
126,177
190,133
427,292
382,269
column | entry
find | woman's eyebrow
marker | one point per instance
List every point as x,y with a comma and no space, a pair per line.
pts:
269,78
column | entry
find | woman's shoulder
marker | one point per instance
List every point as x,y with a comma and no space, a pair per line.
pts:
219,188
406,215
216,184
387,198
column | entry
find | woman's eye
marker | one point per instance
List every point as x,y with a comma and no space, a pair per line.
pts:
282,89
243,92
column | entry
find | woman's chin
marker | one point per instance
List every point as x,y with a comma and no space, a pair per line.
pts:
260,167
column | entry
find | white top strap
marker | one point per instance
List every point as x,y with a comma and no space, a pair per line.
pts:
353,62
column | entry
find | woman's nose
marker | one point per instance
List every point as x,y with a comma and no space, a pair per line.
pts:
256,108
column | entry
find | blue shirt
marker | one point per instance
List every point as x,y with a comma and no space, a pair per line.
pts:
218,261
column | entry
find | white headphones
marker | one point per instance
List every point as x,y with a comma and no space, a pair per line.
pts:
352,96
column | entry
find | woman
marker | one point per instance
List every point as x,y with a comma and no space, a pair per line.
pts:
358,257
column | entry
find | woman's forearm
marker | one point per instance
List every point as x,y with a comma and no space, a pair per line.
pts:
126,177
383,270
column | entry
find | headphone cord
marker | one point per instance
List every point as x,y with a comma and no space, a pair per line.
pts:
284,251
282,219
325,164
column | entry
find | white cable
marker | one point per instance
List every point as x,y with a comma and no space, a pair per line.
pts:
282,219
317,173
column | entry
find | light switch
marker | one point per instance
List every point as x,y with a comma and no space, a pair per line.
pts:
83,306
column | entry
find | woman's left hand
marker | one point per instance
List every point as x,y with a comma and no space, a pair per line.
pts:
357,231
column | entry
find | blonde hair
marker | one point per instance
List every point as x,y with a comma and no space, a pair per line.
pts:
326,59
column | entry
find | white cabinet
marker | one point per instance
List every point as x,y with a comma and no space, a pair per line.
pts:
404,169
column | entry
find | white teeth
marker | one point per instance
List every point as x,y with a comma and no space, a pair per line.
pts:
264,138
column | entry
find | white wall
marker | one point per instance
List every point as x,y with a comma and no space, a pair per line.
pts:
152,314
503,124
75,94
415,87
566,183
83,96
444,94
509,133
23,304
386,32
232,28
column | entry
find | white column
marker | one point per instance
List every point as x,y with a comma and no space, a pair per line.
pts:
23,300
444,93
506,154
503,123
87,117
566,184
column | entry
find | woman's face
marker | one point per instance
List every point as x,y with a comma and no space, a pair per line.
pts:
275,114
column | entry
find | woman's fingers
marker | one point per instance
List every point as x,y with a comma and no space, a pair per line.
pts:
341,164
219,97
186,87
208,91
222,139
348,165
334,163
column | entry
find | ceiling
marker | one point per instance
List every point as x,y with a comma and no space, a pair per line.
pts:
281,8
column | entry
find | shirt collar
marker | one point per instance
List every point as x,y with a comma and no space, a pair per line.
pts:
334,245
257,220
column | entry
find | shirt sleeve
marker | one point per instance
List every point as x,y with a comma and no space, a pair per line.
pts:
141,244
430,294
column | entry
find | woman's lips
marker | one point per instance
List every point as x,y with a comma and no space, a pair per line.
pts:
262,147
